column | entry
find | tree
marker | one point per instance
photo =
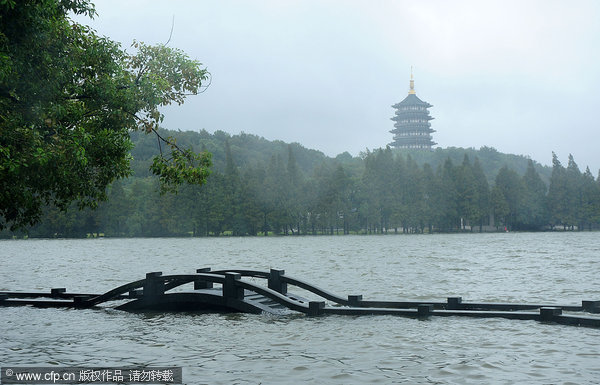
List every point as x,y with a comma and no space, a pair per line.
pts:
507,195
590,204
483,195
252,181
467,193
413,197
68,102
448,196
276,190
340,193
296,193
378,185
430,201
116,210
574,193
232,194
533,213
557,198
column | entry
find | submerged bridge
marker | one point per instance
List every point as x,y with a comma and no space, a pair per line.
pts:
237,291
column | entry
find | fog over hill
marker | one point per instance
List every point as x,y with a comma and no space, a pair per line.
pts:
250,150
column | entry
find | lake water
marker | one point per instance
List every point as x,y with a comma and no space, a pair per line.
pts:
250,349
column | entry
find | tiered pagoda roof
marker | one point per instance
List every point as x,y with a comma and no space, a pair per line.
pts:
412,127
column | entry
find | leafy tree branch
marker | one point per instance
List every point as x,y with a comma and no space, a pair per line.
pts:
69,100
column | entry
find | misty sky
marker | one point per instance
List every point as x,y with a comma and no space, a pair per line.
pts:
520,76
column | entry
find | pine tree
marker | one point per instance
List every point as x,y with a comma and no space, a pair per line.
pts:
483,195
507,195
557,194
533,211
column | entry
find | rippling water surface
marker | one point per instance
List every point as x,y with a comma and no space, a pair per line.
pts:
224,348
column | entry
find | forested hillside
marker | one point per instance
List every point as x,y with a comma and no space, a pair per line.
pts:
250,149
261,187
247,150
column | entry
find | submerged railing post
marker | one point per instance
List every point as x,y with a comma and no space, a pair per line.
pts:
80,300
316,308
591,306
424,310
199,284
230,288
57,291
548,313
354,300
454,303
154,286
275,282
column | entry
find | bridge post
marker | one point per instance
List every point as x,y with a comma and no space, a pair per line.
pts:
591,306
230,289
80,300
198,285
548,313
154,286
57,291
316,308
354,300
275,281
454,303
424,310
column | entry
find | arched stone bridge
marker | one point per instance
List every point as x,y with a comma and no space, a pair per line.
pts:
238,291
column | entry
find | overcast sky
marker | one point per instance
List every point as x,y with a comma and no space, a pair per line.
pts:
520,76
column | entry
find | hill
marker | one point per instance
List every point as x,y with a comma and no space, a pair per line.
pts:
251,150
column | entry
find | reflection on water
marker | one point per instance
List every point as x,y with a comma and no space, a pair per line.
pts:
241,348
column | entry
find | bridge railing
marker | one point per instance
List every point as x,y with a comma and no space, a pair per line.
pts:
278,281
277,284
156,284
233,287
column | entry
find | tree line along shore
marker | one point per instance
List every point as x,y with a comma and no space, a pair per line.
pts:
259,187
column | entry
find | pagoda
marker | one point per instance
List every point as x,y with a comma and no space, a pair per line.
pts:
412,127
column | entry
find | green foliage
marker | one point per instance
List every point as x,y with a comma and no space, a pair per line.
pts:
507,195
68,101
491,160
182,166
532,212
558,197
482,201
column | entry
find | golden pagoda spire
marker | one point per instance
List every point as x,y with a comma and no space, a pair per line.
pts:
412,83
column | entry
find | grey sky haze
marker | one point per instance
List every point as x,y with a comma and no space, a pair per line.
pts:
520,76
